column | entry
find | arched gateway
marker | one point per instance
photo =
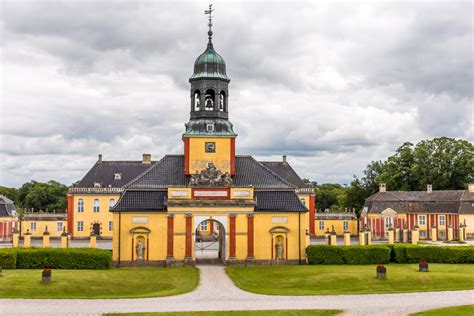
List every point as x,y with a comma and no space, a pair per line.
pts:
260,207
210,239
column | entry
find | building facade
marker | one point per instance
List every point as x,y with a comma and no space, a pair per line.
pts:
8,218
90,199
430,211
338,222
37,223
259,212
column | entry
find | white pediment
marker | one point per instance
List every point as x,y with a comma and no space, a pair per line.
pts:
389,212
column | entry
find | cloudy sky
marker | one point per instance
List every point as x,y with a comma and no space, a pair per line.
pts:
331,85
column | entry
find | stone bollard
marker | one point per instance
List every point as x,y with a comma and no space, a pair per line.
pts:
16,239
27,239
381,272
415,236
368,235
391,236
64,239
397,234
333,239
450,233
347,238
326,236
46,276
46,238
405,236
434,234
461,232
93,240
362,238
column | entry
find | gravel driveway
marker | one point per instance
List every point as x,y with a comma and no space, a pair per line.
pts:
217,292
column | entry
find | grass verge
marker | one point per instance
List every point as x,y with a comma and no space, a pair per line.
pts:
351,279
113,283
448,311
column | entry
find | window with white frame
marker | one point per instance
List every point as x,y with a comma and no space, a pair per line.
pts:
59,226
303,201
321,225
421,220
422,233
442,220
96,206
388,222
33,226
111,226
345,225
117,176
80,226
111,203
80,205
204,225
442,234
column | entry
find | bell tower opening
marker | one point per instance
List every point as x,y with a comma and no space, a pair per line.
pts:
209,101
196,100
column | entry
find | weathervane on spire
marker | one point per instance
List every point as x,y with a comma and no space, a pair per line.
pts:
209,12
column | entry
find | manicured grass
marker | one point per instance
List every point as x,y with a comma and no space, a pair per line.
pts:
451,311
310,312
113,283
351,279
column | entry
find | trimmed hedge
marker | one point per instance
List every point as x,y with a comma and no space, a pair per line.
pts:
7,259
325,254
435,254
399,253
61,258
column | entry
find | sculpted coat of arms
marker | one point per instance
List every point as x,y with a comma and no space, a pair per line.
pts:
210,177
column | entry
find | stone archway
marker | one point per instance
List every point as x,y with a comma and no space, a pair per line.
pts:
210,241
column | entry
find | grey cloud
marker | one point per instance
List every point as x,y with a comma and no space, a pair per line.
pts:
334,84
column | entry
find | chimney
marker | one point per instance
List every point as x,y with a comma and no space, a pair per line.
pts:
146,159
471,187
429,188
383,187
284,158
99,158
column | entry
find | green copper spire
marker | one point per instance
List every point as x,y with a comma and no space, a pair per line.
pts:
209,64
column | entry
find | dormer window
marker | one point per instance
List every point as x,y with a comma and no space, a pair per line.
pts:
117,176
96,184
210,127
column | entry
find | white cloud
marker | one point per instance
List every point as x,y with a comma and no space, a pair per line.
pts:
333,85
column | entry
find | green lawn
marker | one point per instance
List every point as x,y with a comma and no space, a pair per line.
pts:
113,283
312,312
351,279
449,311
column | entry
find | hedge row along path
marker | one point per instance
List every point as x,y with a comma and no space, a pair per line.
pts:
217,292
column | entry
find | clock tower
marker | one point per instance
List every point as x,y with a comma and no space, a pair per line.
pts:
209,136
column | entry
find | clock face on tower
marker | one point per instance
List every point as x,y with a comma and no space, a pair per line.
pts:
210,147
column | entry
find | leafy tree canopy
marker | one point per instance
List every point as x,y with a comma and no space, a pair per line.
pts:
38,196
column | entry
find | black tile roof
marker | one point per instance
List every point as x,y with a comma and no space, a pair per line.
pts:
278,201
7,207
141,201
104,173
443,201
169,171
284,170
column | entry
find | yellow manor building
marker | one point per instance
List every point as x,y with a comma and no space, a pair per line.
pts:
256,212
